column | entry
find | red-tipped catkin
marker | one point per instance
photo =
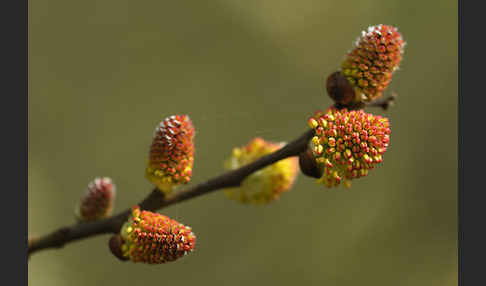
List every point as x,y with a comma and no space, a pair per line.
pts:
98,200
267,184
347,144
153,238
171,155
369,66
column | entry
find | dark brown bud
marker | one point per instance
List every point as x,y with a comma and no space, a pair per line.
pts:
340,89
115,244
308,165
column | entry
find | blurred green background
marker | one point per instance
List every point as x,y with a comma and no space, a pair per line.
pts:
102,74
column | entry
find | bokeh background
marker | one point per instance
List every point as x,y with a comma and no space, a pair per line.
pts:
102,74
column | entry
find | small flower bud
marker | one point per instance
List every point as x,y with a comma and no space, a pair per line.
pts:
98,200
369,66
267,184
349,144
171,154
153,238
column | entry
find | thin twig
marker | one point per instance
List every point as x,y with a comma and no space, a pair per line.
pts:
156,200
384,102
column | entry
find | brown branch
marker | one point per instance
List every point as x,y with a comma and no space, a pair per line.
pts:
384,102
156,200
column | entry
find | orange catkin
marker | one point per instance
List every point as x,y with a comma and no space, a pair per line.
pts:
376,55
171,155
153,238
347,144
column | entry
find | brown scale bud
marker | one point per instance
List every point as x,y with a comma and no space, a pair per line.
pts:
340,89
115,243
309,166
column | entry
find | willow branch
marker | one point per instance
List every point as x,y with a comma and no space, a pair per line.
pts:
156,200
384,102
